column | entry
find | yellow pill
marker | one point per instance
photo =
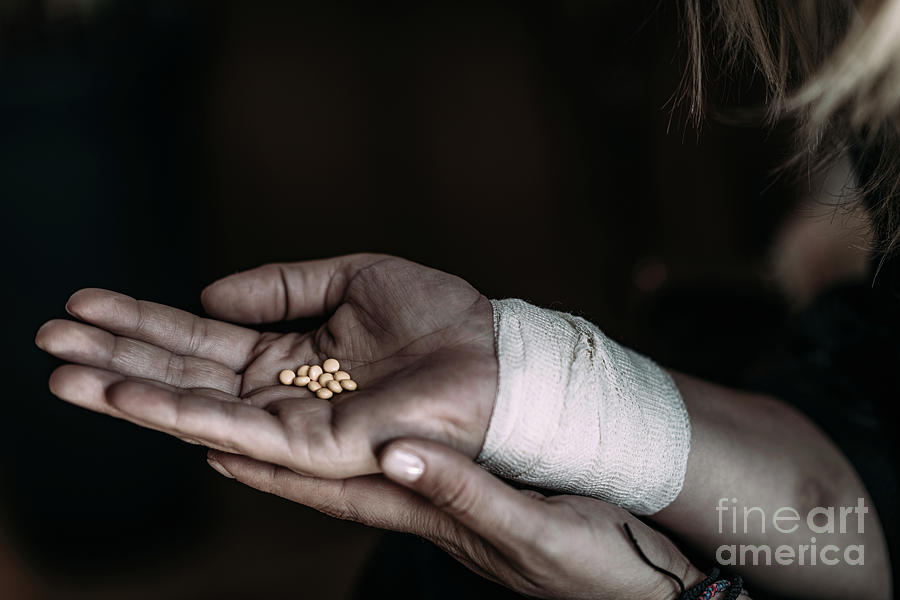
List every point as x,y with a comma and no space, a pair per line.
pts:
303,370
341,375
348,384
324,393
314,372
331,365
301,381
286,377
325,378
314,386
334,386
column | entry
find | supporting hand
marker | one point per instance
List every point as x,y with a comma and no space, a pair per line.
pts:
548,547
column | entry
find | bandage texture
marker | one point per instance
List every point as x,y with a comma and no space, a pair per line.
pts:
578,413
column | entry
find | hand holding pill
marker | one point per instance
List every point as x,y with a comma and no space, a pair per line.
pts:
398,335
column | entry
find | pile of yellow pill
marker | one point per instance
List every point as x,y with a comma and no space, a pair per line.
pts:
325,380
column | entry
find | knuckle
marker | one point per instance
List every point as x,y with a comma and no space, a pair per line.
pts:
457,496
366,259
335,503
174,374
118,357
140,325
269,480
197,335
431,525
344,512
462,549
326,496
177,425
549,547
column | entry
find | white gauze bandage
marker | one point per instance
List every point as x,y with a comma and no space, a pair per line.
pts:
578,413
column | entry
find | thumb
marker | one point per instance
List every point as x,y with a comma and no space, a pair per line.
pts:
283,291
492,509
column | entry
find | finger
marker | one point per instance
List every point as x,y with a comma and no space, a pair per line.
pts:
170,328
474,497
232,426
87,345
296,429
282,291
87,387
173,411
371,499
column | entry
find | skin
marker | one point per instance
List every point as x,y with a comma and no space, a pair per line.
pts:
420,344
216,383
545,547
768,455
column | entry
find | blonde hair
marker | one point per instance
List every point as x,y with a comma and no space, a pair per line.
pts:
833,66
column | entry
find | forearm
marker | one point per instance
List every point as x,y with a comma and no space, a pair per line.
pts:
576,412
754,454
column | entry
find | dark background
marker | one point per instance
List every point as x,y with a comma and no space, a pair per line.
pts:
152,147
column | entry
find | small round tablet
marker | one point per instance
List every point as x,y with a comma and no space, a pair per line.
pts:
334,386
286,377
314,372
348,384
324,393
331,365
314,386
341,375
325,378
301,381
303,370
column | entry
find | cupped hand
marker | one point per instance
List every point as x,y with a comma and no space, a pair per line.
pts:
546,547
418,341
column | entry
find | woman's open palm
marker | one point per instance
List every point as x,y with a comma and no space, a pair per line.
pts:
419,342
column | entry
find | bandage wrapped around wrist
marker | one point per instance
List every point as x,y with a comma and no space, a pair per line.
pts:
578,413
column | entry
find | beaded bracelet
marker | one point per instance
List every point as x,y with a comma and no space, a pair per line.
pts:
706,589
703,591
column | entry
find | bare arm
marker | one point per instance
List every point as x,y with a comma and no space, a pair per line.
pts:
768,456
408,332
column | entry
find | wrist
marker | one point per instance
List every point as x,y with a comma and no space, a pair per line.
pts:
677,569
578,413
693,576
679,578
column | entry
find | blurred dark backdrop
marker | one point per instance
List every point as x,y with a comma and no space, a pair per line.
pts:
151,147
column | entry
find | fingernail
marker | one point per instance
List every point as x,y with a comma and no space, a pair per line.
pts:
39,340
70,304
403,464
218,467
